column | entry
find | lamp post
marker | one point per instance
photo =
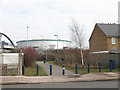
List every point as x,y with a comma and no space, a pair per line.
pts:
27,36
46,51
57,49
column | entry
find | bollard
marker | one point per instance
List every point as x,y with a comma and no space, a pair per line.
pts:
63,69
50,69
23,69
88,67
111,66
99,67
44,62
37,70
76,69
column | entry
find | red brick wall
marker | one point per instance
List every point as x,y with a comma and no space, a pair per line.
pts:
98,40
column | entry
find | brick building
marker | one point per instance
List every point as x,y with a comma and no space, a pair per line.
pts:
105,37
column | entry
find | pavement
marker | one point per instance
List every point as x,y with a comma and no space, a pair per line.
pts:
58,77
52,79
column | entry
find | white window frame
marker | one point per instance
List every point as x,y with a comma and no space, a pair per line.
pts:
113,40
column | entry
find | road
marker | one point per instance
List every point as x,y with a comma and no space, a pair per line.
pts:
95,84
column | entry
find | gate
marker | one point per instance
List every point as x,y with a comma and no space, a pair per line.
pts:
10,64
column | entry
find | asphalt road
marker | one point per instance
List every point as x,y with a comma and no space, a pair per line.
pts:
95,84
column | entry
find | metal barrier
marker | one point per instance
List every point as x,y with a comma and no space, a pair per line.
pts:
9,69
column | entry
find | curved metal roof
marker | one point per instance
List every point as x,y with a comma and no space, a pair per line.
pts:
42,40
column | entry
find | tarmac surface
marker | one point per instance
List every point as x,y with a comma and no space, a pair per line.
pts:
95,84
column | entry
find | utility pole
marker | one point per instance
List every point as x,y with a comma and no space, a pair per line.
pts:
46,51
27,36
57,49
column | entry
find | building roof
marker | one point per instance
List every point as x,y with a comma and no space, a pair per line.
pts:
110,30
43,40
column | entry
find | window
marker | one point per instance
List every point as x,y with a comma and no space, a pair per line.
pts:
113,40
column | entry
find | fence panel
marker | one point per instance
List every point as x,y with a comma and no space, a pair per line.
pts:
11,69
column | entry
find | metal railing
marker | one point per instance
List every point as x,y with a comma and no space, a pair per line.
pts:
11,69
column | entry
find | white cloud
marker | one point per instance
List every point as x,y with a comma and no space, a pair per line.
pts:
48,17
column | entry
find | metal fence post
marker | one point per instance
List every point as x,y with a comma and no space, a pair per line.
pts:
50,69
88,67
63,69
99,67
37,70
23,69
76,69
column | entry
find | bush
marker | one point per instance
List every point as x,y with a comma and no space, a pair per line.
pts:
30,56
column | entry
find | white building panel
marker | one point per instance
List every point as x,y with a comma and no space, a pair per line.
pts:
44,44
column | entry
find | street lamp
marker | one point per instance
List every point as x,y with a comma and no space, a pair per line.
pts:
46,51
27,36
57,49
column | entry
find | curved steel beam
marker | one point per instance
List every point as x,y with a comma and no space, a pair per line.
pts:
8,39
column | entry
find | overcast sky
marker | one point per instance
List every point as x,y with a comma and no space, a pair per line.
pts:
48,17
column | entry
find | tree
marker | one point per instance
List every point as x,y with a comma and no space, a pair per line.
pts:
77,36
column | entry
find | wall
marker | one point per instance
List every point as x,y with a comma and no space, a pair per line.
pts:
110,45
11,63
104,59
10,58
98,40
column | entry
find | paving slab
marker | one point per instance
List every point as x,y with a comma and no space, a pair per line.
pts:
52,79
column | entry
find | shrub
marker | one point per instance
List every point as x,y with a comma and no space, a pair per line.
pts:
30,56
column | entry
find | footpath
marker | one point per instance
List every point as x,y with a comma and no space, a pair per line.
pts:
58,77
56,70
52,79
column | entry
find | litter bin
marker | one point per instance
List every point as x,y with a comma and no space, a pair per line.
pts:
112,62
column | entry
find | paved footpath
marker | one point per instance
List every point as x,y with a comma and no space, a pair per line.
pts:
46,79
56,70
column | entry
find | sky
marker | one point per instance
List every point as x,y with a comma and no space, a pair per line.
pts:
45,18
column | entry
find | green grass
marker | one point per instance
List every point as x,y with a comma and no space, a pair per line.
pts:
13,75
84,71
32,71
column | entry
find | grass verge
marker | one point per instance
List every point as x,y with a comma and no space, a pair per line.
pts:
32,71
84,71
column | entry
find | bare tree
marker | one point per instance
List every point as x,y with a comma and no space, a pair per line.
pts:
77,36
